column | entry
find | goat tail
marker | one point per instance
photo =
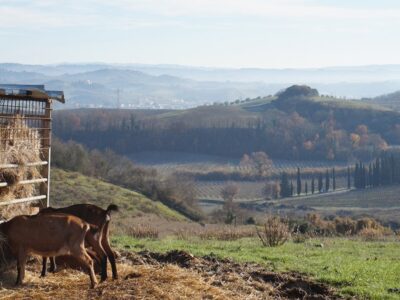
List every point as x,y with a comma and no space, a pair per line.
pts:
112,207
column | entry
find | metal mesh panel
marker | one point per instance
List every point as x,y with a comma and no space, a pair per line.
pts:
18,113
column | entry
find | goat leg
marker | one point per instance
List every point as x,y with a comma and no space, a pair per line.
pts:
53,266
84,259
21,260
105,242
100,253
44,264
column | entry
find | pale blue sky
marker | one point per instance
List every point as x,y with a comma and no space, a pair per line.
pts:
222,33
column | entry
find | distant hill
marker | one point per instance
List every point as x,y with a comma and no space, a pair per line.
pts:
179,87
325,75
127,88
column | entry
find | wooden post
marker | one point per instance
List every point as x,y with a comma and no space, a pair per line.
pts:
46,154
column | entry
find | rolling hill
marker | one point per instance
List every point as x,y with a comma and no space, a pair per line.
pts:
68,188
297,123
391,100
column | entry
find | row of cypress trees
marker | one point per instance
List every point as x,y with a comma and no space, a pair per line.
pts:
319,183
385,170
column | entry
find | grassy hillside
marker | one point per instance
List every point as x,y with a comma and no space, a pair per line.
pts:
391,100
265,103
69,188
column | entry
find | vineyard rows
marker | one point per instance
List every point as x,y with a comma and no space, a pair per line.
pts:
248,190
168,163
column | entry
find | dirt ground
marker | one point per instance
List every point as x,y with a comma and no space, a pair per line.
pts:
174,275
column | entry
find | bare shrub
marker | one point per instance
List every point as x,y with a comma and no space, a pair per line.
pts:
345,226
319,226
272,190
371,234
142,231
298,237
275,232
228,193
342,227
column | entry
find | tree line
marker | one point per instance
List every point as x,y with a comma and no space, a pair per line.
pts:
227,131
320,182
384,170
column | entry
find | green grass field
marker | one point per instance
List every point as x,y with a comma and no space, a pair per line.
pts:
367,270
69,188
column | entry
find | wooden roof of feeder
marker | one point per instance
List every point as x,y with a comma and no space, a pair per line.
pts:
30,92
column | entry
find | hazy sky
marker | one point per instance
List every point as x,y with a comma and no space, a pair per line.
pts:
223,33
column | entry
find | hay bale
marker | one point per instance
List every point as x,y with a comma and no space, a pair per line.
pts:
19,144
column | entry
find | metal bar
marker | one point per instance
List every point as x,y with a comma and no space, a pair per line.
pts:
29,199
36,128
31,109
30,117
30,181
32,148
40,163
24,139
46,143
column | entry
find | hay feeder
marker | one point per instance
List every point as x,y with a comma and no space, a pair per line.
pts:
25,147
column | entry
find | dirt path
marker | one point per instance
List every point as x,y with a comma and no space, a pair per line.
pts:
174,275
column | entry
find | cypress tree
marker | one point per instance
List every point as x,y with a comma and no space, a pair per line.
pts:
312,185
370,176
383,172
378,172
320,183
327,183
285,186
348,178
298,182
373,175
363,176
392,169
356,177
333,179
291,189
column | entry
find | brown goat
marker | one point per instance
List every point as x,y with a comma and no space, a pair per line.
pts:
47,235
101,245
